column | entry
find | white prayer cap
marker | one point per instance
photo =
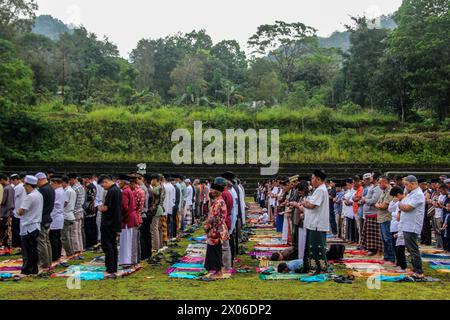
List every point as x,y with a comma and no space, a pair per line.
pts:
367,176
31,180
447,181
187,180
41,175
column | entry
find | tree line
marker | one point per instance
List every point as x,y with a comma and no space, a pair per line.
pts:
403,71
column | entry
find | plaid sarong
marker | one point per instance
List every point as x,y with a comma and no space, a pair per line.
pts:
371,235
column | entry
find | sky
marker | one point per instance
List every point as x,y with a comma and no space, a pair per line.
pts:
125,22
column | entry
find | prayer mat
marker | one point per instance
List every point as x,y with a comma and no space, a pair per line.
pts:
200,239
361,274
259,254
282,276
267,263
186,275
192,259
317,278
439,263
93,272
348,260
435,256
187,265
356,252
398,278
6,252
11,266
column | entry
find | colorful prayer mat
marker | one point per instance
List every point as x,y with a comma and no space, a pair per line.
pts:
282,276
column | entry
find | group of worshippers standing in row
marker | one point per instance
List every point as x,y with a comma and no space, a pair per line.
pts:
373,212
48,213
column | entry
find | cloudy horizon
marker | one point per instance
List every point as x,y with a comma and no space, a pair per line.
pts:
125,23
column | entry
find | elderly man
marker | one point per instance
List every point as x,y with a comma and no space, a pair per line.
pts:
317,224
412,209
30,213
44,245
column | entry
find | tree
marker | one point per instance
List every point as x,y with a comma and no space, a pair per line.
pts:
143,59
421,43
38,52
362,60
16,16
233,60
16,82
284,43
188,78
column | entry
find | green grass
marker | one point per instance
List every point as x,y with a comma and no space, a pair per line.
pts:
152,283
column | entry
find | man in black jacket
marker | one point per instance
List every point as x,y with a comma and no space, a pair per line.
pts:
44,245
110,222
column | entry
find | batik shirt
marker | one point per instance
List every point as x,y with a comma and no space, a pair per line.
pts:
81,196
139,197
215,225
89,206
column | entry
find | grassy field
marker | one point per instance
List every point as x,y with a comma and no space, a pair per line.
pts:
152,283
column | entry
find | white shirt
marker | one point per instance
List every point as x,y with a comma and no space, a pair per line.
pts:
70,197
242,204
189,194
57,214
412,221
234,211
33,204
393,209
169,199
19,195
273,200
348,210
318,219
99,196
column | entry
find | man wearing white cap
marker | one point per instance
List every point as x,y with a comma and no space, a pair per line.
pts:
30,213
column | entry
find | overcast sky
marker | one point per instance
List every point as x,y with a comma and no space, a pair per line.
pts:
125,22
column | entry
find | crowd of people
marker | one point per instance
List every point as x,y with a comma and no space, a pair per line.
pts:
131,217
372,212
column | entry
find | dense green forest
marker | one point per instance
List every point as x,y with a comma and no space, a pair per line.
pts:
378,92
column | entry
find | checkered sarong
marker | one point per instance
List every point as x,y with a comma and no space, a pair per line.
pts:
371,235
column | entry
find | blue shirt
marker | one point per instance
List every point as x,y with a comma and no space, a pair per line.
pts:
295,265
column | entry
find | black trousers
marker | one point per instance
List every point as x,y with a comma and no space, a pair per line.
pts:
146,238
90,231
55,242
16,242
414,251
109,247
232,247
213,259
30,253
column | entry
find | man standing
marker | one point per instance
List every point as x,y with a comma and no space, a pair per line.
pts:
169,204
99,196
177,207
384,218
317,224
110,222
44,245
157,212
371,239
6,212
425,236
77,240
411,220
188,200
19,194
57,216
227,257
30,213
90,216
144,231
128,254
68,232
